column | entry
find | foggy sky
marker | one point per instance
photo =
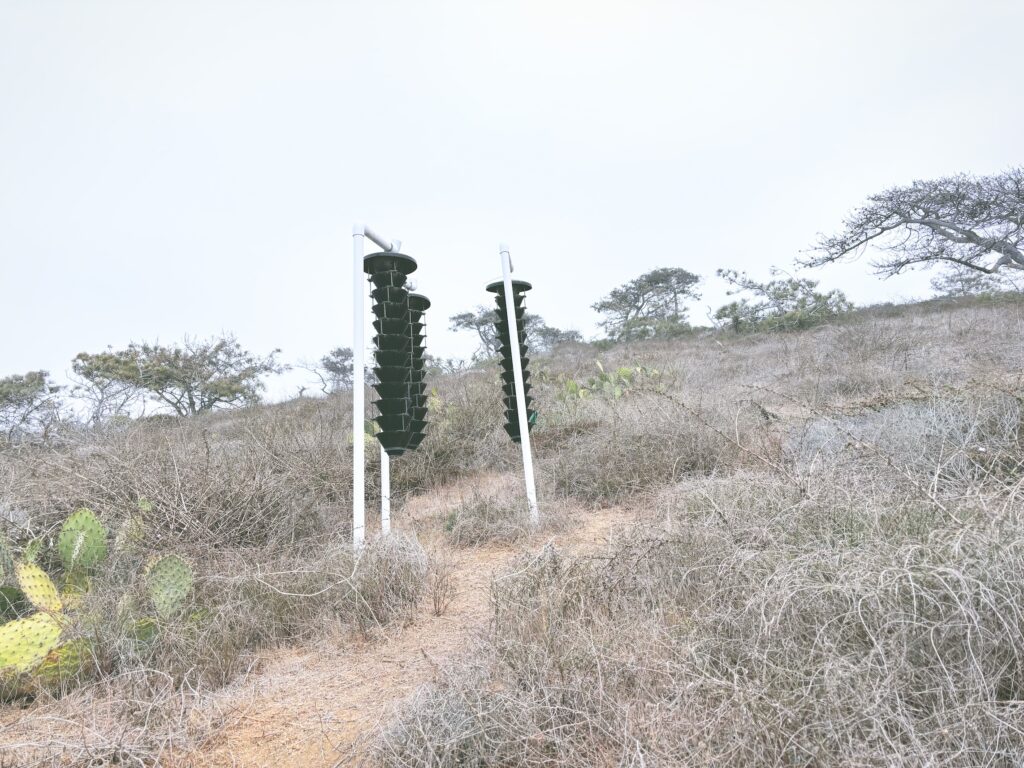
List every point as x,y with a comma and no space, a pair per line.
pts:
188,168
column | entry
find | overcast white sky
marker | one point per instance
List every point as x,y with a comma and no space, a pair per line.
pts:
173,168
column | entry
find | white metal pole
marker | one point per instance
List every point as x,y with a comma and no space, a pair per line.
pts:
517,372
359,232
358,393
385,491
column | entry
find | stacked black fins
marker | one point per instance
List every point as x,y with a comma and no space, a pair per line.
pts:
393,348
507,349
418,305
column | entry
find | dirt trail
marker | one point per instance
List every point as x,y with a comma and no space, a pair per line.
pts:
315,707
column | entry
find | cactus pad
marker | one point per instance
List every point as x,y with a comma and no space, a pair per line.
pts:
38,588
169,580
6,560
63,664
24,643
32,549
82,543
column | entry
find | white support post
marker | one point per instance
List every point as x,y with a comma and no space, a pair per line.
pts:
385,492
359,233
358,393
517,372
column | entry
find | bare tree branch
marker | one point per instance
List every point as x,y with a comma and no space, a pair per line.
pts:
971,222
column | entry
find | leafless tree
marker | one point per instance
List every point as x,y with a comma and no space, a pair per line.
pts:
970,222
958,281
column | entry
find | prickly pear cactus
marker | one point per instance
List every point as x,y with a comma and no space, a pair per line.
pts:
37,587
168,580
35,652
6,560
24,643
63,665
82,543
32,549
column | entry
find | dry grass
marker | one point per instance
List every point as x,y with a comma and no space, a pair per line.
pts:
255,478
830,575
464,436
645,441
389,578
131,720
442,585
753,623
840,582
496,513
489,515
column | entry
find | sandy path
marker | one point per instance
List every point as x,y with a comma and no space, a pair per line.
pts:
315,707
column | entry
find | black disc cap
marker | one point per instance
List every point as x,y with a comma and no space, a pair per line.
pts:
418,302
518,287
394,443
376,263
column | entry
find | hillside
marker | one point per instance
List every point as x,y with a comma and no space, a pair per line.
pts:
774,548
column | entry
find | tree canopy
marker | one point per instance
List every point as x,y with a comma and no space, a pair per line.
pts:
27,402
191,378
971,222
653,304
539,335
782,304
107,382
481,322
336,366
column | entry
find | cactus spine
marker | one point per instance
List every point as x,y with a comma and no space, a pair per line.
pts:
24,643
38,588
82,543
